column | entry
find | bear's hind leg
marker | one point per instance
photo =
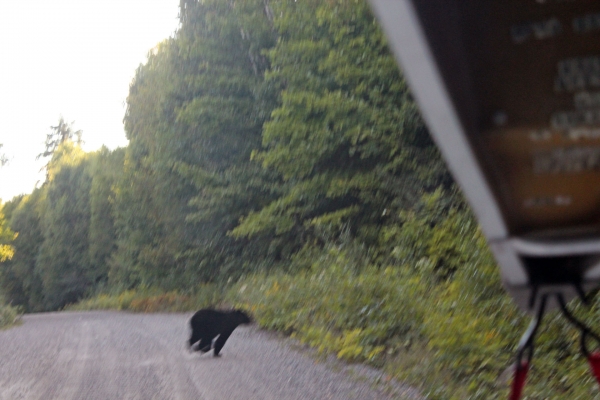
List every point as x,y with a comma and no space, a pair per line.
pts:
204,345
192,341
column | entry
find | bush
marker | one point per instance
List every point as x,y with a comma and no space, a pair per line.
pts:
9,316
361,316
436,317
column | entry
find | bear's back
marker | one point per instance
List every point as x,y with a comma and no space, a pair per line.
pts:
212,320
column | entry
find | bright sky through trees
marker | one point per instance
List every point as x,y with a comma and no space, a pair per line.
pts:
73,58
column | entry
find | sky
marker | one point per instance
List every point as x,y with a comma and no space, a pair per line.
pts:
70,58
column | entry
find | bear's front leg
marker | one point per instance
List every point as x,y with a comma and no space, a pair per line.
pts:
220,342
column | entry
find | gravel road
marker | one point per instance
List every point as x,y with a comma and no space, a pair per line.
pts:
113,355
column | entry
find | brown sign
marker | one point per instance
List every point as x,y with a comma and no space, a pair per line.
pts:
535,76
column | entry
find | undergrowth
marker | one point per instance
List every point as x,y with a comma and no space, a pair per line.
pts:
431,312
450,342
153,300
9,315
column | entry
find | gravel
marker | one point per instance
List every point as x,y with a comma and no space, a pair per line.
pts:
117,355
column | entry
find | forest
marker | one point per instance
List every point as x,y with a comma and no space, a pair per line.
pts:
278,162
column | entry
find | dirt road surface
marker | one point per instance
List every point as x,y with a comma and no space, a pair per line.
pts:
112,355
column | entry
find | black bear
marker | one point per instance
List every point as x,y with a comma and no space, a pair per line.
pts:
208,323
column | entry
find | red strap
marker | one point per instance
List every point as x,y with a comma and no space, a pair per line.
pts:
594,360
519,380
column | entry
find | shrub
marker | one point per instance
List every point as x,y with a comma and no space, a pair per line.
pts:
9,316
358,315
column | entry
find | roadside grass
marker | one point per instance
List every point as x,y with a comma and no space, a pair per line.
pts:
376,317
446,343
149,300
451,341
9,316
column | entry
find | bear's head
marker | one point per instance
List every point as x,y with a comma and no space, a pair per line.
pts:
241,317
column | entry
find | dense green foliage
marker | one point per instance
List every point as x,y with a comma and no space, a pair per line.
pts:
65,231
345,136
276,160
6,238
8,314
195,112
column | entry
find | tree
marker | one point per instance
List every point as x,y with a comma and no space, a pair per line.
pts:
223,117
3,158
7,250
6,235
19,277
105,168
66,230
6,238
58,135
63,260
346,137
194,115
